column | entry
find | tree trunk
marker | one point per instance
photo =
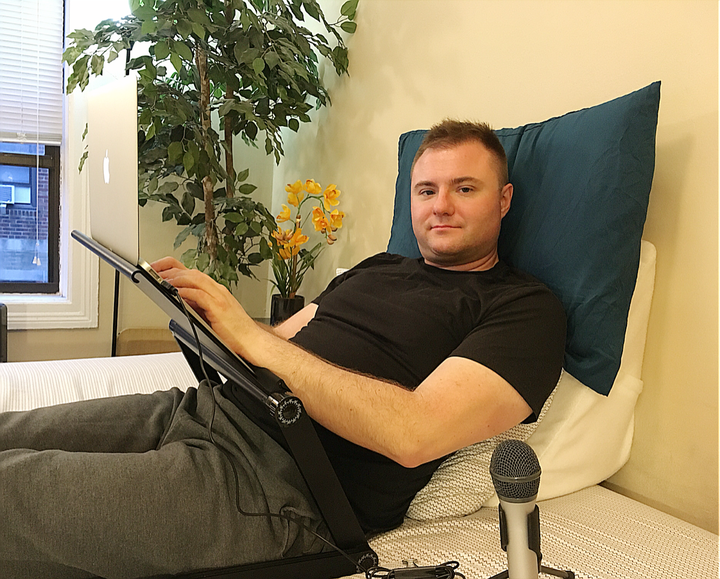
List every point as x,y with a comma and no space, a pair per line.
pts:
211,236
229,163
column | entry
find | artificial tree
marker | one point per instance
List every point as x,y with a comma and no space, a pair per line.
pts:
250,64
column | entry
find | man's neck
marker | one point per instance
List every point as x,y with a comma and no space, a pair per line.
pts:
482,264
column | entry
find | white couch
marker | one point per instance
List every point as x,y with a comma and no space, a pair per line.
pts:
582,439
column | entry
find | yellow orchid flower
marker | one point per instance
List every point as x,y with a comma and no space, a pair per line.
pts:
294,187
298,238
295,198
285,252
284,214
336,217
330,196
289,241
282,236
319,220
312,187
295,194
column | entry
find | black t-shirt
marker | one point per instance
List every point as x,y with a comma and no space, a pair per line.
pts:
398,319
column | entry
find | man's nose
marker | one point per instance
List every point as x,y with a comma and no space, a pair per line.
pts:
443,203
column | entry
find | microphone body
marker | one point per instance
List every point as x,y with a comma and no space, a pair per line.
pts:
522,539
515,472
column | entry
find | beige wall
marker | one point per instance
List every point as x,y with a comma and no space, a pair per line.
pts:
513,62
509,63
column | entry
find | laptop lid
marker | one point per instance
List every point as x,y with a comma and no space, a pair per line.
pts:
113,166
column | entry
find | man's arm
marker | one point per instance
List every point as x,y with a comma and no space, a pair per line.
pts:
296,322
460,403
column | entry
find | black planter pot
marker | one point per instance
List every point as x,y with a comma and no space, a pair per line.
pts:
282,308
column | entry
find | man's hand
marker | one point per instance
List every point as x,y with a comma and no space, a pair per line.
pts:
213,302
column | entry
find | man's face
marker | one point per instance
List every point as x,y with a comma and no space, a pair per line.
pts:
457,204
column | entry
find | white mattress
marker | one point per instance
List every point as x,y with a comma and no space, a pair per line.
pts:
596,533
26,385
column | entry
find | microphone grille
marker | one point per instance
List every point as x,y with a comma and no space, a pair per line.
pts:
515,471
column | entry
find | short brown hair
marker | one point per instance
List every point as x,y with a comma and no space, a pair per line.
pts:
450,133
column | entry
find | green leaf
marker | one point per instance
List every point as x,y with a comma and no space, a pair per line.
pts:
255,258
265,250
96,64
294,124
258,65
176,61
349,8
148,27
188,162
188,203
312,9
241,229
203,261
199,30
199,16
162,50
272,59
112,56
233,217
195,190
246,188
242,175
348,26
188,258
168,213
181,237
167,187
81,164
175,152
183,50
184,28
251,131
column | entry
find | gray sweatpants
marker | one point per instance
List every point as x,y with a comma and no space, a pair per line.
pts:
132,487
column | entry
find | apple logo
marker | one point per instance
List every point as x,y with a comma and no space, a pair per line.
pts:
106,168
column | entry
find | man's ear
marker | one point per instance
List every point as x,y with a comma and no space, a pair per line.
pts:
505,198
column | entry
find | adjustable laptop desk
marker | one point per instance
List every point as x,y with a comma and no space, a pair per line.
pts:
265,399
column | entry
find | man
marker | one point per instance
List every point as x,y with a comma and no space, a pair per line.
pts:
401,362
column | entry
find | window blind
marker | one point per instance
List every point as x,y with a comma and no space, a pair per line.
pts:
31,71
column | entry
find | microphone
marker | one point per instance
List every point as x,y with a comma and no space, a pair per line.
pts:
515,473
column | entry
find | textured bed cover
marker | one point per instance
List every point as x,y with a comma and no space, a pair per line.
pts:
595,532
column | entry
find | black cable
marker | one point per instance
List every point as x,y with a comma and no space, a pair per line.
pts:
445,571
116,299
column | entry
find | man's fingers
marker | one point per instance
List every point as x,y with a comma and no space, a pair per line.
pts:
166,263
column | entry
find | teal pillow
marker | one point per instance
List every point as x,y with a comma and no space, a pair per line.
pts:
582,183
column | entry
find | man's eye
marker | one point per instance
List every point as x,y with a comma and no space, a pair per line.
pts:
427,192
465,189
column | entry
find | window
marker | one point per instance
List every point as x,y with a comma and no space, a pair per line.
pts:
31,41
29,218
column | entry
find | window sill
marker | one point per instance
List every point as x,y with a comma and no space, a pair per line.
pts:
76,307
